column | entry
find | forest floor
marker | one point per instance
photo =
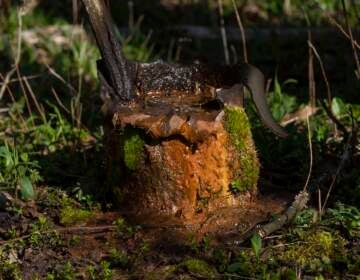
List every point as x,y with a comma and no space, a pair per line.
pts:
57,219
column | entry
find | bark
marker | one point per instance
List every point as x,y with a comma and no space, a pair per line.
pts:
118,73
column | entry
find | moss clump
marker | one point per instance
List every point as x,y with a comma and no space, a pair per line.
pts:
161,273
238,126
316,251
70,214
133,149
199,268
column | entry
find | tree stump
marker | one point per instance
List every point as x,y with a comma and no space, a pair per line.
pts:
172,162
178,143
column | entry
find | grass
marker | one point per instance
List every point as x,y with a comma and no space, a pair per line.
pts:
51,168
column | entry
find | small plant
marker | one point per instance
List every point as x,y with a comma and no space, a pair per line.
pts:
9,270
66,272
256,244
106,271
124,230
280,102
348,216
119,258
41,234
17,172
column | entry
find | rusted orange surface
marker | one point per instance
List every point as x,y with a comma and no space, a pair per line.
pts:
186,169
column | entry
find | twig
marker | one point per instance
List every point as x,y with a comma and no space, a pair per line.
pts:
312,86
299,204
328,91
37,105
30,77
327,84
59,101
341,29
14,101
356,57
319,203
75,11
311,154
223,32
351,141
61,79
25,94
6,81
334,119
131,14
61,104
67,230
241,27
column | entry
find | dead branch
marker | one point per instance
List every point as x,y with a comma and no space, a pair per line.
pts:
223,32
242,31
299,204
67,230
114,68
334,119
350,144
356,57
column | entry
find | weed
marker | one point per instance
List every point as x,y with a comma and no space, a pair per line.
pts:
119,258
42,235
106,271
65,272
256,244
17,172
123,230
9,270
347,216
280,102
91,270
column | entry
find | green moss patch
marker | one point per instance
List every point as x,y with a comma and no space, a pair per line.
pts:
317,250
238,126
133,149
199,268
71,214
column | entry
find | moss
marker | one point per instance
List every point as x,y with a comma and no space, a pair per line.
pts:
161,273
9,270
200,268
238,126
316,251
70,215
133,149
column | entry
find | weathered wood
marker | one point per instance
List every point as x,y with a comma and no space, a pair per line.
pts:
119,71
164,162
124,81
179,146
